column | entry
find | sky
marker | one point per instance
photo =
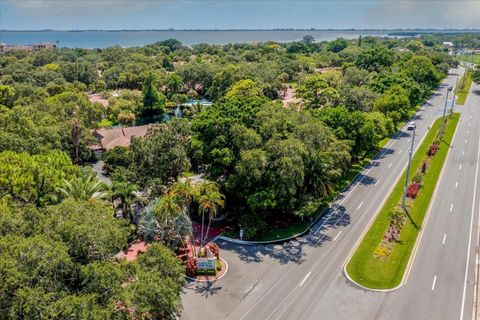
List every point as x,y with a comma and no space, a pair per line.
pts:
237,14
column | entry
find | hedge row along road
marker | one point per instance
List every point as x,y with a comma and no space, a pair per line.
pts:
384,273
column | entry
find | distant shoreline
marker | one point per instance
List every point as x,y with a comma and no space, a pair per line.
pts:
90,39
285,29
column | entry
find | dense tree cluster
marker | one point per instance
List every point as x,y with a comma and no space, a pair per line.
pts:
260,162
57,263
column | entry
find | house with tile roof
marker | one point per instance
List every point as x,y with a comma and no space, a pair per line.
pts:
117,137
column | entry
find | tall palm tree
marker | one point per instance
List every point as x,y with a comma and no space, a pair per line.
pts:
167,207
84,188
209,201
174,223
76,136
184,190
126,192
185,193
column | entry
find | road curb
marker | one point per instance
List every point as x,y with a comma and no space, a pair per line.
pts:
411,259
253,243
277,241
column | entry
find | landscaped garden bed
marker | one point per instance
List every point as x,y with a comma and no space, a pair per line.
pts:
381,258
205,264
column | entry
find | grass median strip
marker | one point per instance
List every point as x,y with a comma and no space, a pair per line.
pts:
365,266
463,88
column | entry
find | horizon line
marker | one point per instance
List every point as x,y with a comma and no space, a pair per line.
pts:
244,29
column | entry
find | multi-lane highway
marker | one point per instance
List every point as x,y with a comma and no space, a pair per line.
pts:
304,279
441,283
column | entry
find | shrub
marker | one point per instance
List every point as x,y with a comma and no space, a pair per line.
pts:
425,165
412,190
252,225
214,248
218,265
206,272
191,267
418,177
432,150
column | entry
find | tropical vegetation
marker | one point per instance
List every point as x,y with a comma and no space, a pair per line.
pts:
253,157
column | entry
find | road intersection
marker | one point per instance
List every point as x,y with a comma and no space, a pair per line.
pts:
304,279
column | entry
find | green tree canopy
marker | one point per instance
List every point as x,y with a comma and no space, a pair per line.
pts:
33,178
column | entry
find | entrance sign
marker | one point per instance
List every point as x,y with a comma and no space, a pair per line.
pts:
206,264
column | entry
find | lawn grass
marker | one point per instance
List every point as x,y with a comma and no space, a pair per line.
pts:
284,232
373,273
468,58
463,88
301,226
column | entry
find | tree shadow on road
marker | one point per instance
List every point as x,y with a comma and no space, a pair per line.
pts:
384,152
291,251
206,289
294,250
332,219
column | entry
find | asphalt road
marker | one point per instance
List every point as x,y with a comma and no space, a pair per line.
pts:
304,279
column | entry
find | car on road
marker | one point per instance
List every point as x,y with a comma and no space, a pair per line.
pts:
411,125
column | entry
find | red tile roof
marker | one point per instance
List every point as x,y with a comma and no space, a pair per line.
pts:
111,138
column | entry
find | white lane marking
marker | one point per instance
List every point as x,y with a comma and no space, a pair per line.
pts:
338,235
460,167
400,151
463,152
451,207
321,238
377,182
304,279
390,165
456,185
470,234
434,281
468,131
360,205
466,141
444,237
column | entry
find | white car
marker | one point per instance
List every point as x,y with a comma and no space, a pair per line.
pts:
411,125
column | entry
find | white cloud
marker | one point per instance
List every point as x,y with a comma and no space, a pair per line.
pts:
80,7
426,13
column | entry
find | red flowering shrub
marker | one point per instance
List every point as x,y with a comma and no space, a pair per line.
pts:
412,190
214,248
191,267
432,150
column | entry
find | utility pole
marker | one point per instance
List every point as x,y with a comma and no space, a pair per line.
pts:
410,152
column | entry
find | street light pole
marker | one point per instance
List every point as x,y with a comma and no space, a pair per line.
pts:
410,152
444,110
453,93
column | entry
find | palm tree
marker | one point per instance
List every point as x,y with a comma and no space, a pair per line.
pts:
174,223
185,193
210,200
76,136
126,118
126,192
167,207
84,188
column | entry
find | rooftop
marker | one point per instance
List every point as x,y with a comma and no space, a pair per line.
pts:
118,137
